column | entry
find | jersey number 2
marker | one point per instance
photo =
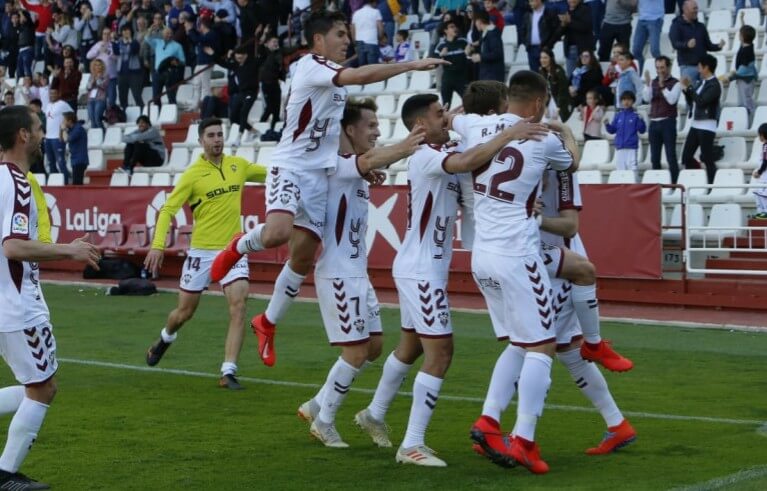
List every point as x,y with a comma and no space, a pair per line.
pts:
513,172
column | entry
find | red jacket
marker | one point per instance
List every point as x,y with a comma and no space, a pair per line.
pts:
496,17
44,15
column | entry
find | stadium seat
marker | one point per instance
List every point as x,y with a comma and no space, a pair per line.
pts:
160,179
667,20
731,95
622,177
168,114
722,215
96,160
191,139
384,126
734,152
421,40
509,34
138,237
139,179
196,152
658,176
385,104
400,131
508,54
182,242
716,37
397,84
264,156
687,178
719,20
760,117
95,137
575,122
114,237
179,158
354,89
234,131
589,177
177,178
521,57
456,100
185,97
374,88
595,153
756,155
420,81
247,153
55,179
132,113
119,179
559,52
723,178
733,121
42,179
695,218
152,110
113,139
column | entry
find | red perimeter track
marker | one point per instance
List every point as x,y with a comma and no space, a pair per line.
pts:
640,313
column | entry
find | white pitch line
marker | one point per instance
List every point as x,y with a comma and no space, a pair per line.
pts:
725,481
447,397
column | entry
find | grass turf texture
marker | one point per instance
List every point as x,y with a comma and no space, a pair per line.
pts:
127,429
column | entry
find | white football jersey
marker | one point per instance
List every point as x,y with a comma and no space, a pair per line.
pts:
313,112
433,199
21,297
561,191
475,129
344,252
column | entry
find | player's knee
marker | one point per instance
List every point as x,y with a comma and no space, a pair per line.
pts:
355,355
275,236
586,273
43,392
375,346
301,265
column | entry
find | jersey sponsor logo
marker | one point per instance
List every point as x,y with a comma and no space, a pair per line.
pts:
234,167
20,224
339,98
489,282
222,191
440,235
317,133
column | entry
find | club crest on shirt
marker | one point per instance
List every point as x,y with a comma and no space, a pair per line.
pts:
20,224
234,167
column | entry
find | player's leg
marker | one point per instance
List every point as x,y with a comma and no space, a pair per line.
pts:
582,273
187,305
236,294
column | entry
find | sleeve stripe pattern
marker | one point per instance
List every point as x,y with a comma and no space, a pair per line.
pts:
21,206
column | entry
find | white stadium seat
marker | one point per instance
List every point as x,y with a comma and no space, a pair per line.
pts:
687,178
756,155
722,215
132,113
589,177
160,179
384,126
55,179
42,179
618,176
95,137
196,152
734,152
401,179
397,84
751,17
509,34
657,176
385,104
595,153
176,178
113,139
723,178
179,158
247,153
421,40
694,219
168,114
139,179
420,81
264,156
733,121
374,88
96,159
119,179
719,20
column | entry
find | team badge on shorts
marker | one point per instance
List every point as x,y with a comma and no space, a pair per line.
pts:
359,324
443,318
186,279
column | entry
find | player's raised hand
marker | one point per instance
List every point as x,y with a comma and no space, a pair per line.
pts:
526,129
83,251
428,64
415,138
153,261
375,177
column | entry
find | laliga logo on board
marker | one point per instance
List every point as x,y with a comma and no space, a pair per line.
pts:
87,220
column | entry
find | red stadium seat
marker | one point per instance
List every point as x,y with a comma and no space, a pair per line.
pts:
138,237
114,238
169,240
183,242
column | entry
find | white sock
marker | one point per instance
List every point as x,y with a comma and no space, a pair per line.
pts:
503,381
166,336
228,368
592,383
534,383
317,399
285,291
10,398
251,242
22,433
394,373
425,394
587,310
339,381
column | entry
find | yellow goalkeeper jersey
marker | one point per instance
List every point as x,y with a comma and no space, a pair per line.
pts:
214,193
43,219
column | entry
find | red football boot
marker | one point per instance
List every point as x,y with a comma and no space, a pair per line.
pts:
615,438
486,432
528,454
603,354
225,260
264,330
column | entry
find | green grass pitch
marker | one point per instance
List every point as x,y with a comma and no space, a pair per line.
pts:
695,397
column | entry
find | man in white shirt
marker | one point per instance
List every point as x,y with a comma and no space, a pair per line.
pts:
367,29
54,147
663,95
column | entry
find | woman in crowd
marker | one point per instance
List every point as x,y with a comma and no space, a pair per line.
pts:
586,76
557,80
97,93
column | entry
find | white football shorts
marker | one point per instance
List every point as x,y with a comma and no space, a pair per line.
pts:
303,194
518,296
195,274
566,321
30,353
349,308
424,307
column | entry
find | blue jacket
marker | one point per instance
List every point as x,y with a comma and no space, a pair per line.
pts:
491,64
77,139
626,127
680,34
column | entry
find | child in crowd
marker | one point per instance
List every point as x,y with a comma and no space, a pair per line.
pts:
386,50
746,73
610,78
74,134
760,194
628,80
404,50
626,126
591,115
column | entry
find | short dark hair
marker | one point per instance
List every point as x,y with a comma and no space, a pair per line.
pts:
629,95
69,116
627,55
36,102
621,46
241,50
205,123
321,22
526,85
748,33
709,61
126,27
206,21
143,118
404,33
416,106
12,120
665,59
353,110
483,96
763,130
482,15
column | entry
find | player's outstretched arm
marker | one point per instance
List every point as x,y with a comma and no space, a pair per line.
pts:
378,157
565,225
369,74
35,251
479,155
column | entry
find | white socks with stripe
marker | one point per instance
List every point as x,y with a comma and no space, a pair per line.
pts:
10,398
251,242
592,383
425,394
336,388
228,368
166,336
286,289
503,381
534,383
22,433
587,310
394,373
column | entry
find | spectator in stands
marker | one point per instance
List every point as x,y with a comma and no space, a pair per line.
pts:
54,147
9,40
100,10
129,67
204,38
586,76
628,80
592,114
177,7
760,195
390,10
26,40
690,39
227,36
745,73
76,138
496,17
250,18
626,126
597,8
403,50
245,68
616,26
270,73
575,25
490,56
218,5
216,104
8,99
40,88
740,4
703,101
556,79
143,147
648,27
23,91
104,51
67,81
44,13
97,93
184,34
386,50
62,34
148,11
168,65
538,30
454,76
366,28
663,95
38,166
610,79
